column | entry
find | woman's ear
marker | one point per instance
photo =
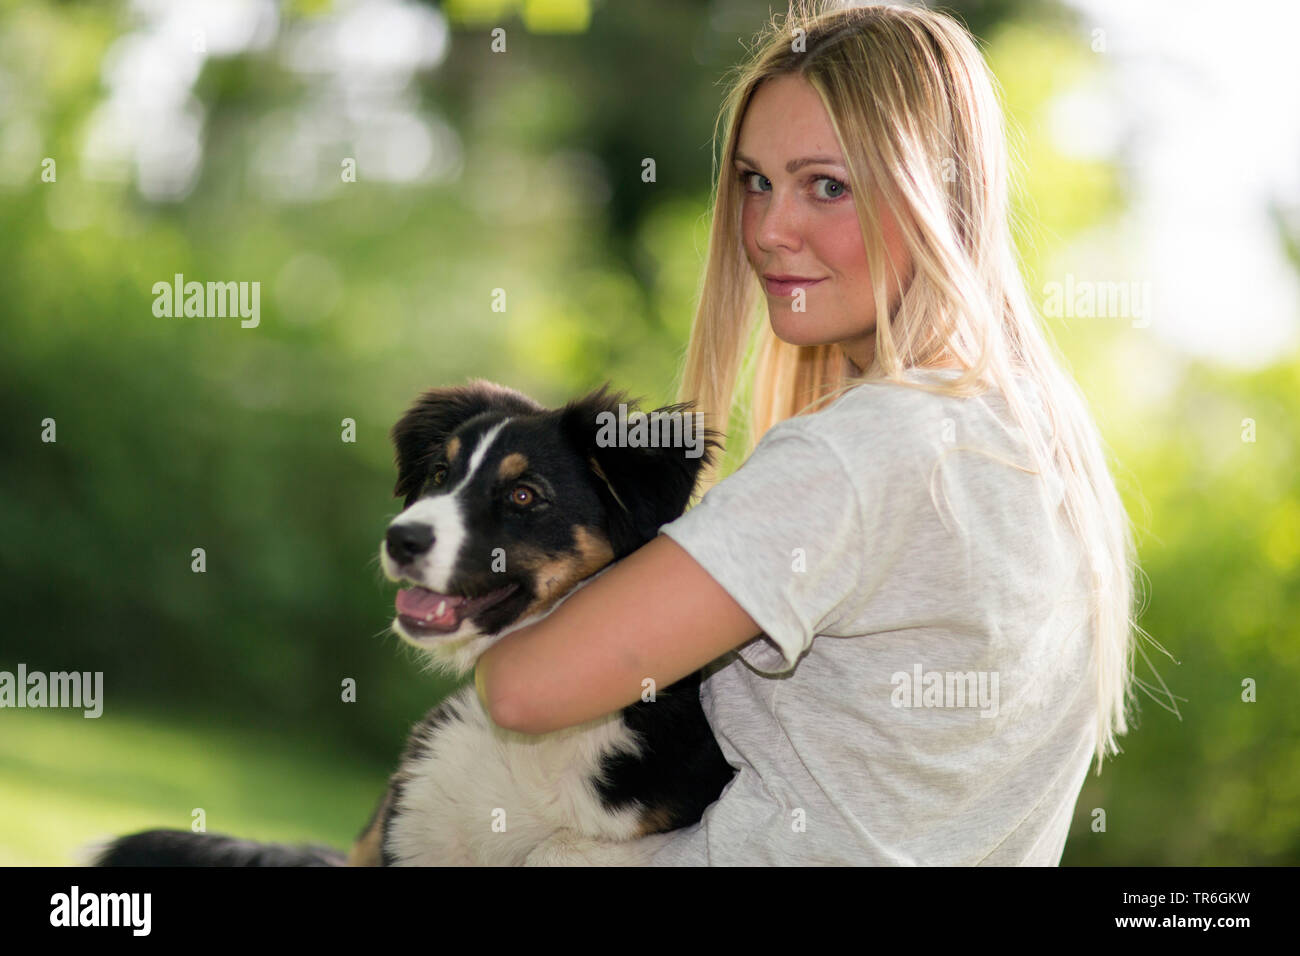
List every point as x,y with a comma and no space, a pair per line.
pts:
422,433
646,464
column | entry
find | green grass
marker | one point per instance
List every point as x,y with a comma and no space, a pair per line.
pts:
66,780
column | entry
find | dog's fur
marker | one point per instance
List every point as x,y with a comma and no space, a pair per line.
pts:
509,508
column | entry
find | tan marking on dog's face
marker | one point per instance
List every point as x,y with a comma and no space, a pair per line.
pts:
555,575
512,466
453,448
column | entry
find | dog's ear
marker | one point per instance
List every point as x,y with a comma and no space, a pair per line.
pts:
643,487
422,432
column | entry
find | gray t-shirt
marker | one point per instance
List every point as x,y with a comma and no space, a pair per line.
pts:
918,696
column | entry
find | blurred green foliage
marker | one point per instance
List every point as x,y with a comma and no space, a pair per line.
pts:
223,688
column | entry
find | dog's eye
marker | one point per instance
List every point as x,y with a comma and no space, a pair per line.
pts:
439,475
522,495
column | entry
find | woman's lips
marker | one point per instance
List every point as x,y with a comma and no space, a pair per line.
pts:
786,287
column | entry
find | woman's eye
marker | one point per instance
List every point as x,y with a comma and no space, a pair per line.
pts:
825,189
835,188
522,495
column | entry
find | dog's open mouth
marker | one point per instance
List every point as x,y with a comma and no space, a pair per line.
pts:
422,611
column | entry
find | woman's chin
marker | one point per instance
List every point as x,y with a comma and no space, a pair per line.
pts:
796,328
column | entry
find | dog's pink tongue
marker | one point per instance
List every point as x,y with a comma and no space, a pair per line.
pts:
423,605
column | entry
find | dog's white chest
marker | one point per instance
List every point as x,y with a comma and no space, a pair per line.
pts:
475,794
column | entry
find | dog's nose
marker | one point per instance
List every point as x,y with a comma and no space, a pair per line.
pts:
407,541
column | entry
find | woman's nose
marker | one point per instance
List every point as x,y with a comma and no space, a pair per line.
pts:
779,223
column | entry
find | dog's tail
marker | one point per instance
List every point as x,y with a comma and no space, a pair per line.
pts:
183,848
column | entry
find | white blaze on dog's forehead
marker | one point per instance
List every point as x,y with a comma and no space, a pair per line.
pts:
480,450
443,514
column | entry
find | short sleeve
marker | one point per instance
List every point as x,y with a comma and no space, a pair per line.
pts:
783,536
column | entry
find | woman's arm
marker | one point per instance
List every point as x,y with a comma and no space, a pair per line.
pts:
655,614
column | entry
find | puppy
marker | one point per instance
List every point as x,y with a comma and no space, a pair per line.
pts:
508,509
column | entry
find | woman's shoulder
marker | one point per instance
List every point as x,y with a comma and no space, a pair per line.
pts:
907,396
911,423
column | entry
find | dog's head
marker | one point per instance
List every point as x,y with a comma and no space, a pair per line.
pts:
509,505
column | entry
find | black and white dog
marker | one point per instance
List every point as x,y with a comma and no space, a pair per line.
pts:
509,508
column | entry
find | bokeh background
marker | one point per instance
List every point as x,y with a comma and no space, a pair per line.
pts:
1160,151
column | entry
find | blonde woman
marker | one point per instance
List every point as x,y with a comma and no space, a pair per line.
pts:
921,577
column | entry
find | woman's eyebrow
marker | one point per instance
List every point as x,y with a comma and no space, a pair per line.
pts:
795,164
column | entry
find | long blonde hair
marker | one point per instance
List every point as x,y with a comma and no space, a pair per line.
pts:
906,89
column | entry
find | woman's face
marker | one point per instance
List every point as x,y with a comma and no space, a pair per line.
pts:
798,220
